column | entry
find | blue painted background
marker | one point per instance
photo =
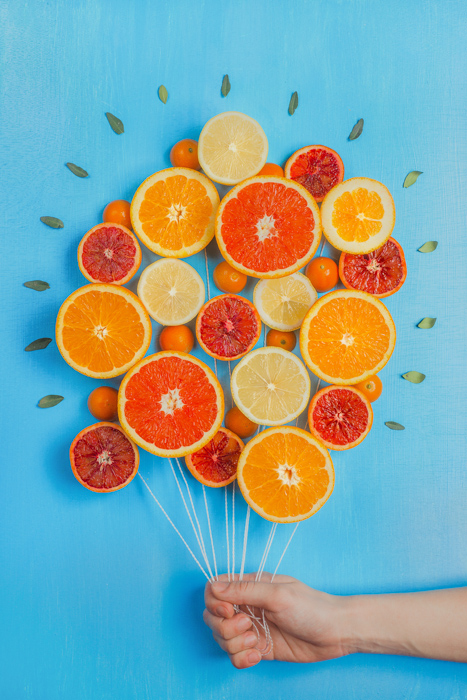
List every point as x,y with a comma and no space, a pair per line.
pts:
99,601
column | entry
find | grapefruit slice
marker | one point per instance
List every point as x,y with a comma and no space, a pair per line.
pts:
215,464
358,215
232,147
341,417
347,336
270,386
381,272
171,404
102,330
109,253
318,168
268,227
285,474
103,458
283,303
172,291
228,327
173,212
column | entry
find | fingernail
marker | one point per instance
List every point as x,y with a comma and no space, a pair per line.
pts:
250,640
219,586
221,611
244,624
253,657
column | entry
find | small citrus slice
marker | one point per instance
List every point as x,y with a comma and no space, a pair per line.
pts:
285,474
381,272
228,327
271,386
215,464
283,303
172,291
109,253
318,168
171,404
173,212
102,330
232,147
341,417
103,458
268,227
358,215
347,336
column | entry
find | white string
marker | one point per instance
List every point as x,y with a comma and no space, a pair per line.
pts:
285,549
193,507
174,527
316,391
266,552
227,532
216,576
245,541
233,530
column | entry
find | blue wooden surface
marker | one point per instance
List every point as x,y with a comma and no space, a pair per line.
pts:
99,601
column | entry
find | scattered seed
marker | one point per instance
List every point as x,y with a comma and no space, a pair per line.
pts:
38,344
50,400
426,322
163,94
293,104
356,131
52,221
414,377
115,123
38,285
76,170
428,247
225,89
412,178
394,426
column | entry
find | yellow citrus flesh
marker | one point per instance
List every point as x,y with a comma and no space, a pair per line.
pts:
285,474
358,215
171,404
172,291
270,386
347,336
102,330
232,147
173,212
283,303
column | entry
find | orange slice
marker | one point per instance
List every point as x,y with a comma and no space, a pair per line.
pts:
340,416
347,336
102,330
268,227
358,215
215,464
171,404
173,212
285,474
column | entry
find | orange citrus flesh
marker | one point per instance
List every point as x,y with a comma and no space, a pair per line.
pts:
268,227
285,474
171,404
103,458
102,330
215,464
347,336
346,213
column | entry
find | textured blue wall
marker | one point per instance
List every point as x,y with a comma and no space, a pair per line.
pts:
99,601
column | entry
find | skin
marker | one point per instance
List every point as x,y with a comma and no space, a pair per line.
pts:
308,625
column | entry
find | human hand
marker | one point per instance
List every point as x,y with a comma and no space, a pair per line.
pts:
306,625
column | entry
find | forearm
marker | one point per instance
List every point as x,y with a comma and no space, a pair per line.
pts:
430,624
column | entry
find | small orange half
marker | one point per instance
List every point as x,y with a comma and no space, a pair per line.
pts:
285,474
173,212
102,330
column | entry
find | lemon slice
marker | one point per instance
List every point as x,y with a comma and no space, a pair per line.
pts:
172,291
283,303
271,386
232,147
358,215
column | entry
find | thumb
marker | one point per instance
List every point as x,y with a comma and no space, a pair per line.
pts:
255,593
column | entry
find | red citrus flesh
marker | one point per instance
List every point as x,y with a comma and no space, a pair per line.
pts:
318,168
103,458
215,464
228,327
381,272
109,253
341,417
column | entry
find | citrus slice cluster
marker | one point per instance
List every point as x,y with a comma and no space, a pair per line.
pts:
267,227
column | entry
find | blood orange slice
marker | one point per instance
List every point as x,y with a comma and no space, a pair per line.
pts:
268,227
341,417
381,272
103,458
109,253
171,404
318,168
285,474
228,327
215,464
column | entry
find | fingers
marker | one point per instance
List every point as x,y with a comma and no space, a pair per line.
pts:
245,658
236,637
223,594
216,606
227,628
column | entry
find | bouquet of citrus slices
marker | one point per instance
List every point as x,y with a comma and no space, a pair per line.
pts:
268,226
